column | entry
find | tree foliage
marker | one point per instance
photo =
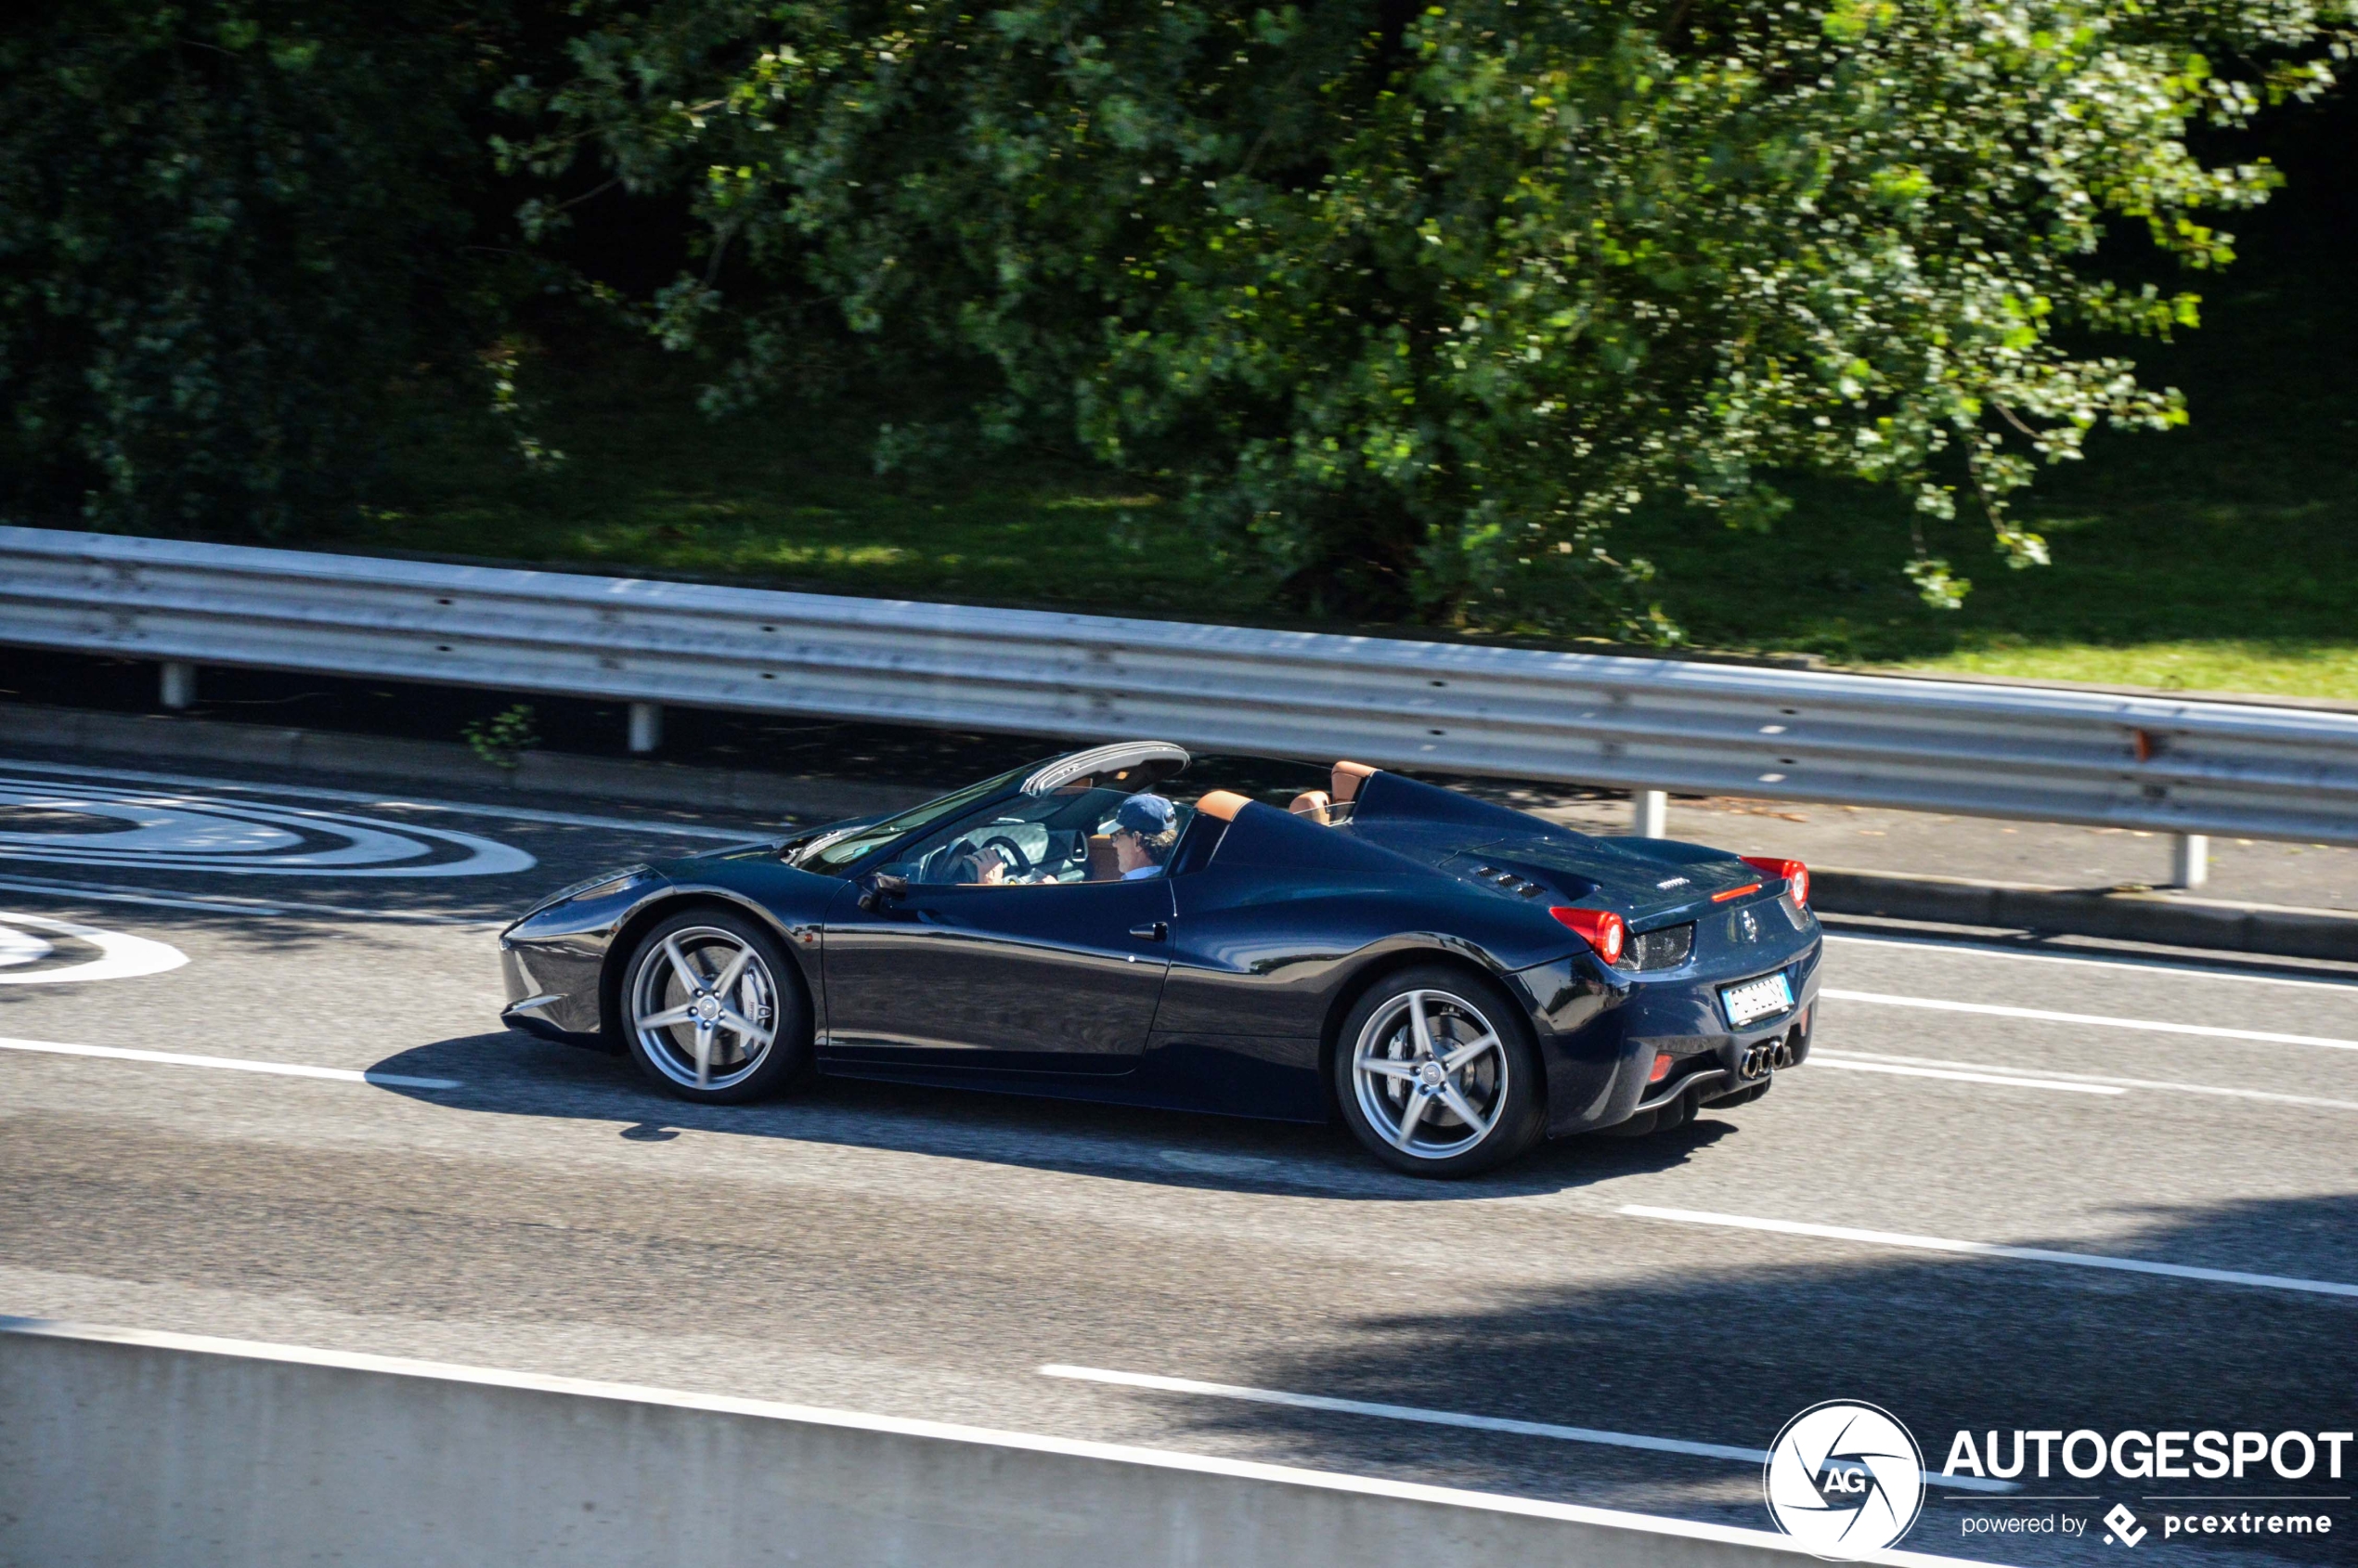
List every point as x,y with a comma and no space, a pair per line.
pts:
1418,301
221,226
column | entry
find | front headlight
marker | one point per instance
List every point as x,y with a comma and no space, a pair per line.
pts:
603,884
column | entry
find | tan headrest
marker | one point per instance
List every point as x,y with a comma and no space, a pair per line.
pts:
1105,865
1311,803
1346,778
1223,804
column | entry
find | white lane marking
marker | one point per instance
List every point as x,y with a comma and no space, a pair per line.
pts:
230,1064
2191,971
1446,1419
222,904
2096,1020
1992,1249
1840,1059
394,802
120,956
1827,1059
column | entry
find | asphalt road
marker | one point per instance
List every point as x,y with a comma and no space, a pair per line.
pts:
926,1254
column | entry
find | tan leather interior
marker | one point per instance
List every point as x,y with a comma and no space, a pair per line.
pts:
1104,864
1346,777
1312,804
1222,805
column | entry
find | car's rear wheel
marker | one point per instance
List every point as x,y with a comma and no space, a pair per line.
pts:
1437,1074
711,1011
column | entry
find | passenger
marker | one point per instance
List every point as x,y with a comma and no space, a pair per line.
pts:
1145,827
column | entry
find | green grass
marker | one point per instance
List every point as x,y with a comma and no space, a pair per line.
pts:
786,499
2220,558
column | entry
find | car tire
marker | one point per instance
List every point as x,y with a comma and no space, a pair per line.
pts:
1414,1118
712,1010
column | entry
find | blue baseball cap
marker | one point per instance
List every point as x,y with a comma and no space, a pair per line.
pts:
1145,815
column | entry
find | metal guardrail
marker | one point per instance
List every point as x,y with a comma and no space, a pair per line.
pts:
2186,766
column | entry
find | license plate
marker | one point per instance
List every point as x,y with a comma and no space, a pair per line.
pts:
1756,999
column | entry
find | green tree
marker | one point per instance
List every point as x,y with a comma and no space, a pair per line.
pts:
1420,301
225,225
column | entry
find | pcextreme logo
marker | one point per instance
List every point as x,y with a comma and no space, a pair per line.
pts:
1844,1479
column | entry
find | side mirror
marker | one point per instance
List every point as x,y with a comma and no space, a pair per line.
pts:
881,889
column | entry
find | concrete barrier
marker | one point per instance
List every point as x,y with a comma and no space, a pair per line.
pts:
128,1450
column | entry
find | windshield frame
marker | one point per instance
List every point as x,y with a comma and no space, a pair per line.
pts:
878,836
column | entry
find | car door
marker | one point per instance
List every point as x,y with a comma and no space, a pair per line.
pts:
1055,977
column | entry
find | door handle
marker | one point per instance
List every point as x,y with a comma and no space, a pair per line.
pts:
1153,931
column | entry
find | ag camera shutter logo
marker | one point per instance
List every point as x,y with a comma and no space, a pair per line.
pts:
1844,1479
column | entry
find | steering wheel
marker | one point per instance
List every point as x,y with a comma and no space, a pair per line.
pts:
1019,863
964,863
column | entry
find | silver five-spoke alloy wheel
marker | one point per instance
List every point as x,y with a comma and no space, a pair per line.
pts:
704,1008
1430,1073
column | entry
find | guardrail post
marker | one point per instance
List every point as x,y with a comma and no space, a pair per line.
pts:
647,726
2189,860
180,684
1653,814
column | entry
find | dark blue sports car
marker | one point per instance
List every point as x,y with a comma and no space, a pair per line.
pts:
1454,978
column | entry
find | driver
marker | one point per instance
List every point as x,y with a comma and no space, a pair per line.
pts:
1145,827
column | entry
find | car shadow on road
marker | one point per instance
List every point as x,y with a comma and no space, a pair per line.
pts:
509,1073
1669,1333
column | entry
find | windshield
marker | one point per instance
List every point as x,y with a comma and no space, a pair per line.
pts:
837,852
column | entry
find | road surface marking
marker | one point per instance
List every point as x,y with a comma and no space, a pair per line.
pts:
1991,1249
1835,1059
1440,1418
111,892
210,831
2097,1020
230,1064
399,802
120,955
1859,1059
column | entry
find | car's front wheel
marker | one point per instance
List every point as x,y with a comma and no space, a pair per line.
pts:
711,1010
1437,1074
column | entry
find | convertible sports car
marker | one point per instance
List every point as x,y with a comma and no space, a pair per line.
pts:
1452,978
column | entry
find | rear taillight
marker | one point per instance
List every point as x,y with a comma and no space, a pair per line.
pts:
1796,875
1603,929
1662,1068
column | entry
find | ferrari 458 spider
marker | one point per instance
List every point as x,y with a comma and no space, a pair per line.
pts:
1452,978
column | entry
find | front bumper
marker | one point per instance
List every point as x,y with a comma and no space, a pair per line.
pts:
552,961
566,1011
